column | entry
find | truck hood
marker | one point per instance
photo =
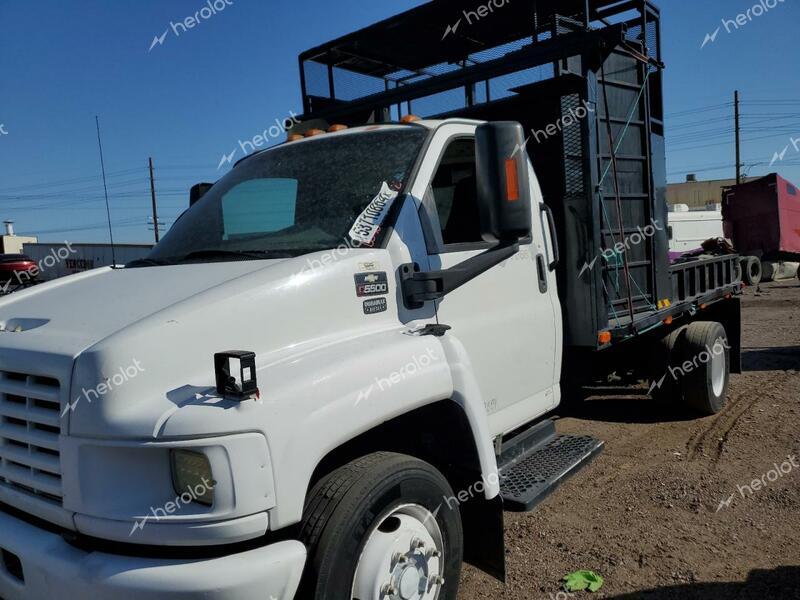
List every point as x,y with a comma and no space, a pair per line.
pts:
97,330
69,315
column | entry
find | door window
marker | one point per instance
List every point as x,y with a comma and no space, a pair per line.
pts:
454,191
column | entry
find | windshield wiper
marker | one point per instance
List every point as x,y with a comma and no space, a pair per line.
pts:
240,254
147,262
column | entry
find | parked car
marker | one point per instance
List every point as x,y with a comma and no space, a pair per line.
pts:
17,270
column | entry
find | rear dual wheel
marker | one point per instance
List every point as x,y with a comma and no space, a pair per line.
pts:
693,367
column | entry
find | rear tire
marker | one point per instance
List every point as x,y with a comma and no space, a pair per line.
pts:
751,270
705,384
768,271
668,353
373,509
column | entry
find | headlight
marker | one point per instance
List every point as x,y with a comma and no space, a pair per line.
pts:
191,474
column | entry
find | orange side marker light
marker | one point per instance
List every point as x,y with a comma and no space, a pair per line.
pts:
512,181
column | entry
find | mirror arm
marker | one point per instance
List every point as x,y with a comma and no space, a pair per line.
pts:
419,288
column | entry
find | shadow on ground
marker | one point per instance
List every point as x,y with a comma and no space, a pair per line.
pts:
782,583
623,405
771,359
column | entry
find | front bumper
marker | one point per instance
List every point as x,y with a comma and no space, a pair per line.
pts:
51,568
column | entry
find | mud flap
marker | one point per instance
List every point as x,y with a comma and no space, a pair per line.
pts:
484,542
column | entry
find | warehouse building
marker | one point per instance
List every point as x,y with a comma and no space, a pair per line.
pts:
10,243
700,195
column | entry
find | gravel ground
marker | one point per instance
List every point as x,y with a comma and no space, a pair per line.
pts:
648,513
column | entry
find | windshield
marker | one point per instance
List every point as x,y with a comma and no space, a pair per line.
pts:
297,198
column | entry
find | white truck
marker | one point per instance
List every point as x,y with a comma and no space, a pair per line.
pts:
128,472
335,372
688,229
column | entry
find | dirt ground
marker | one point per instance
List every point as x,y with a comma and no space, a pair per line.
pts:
648,513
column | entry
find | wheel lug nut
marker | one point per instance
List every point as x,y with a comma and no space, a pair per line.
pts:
434,553
388,590
417,543
437,580
399,559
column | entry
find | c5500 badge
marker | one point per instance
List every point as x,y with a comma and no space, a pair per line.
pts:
371,284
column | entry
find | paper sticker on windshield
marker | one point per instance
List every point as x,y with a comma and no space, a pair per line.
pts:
368,224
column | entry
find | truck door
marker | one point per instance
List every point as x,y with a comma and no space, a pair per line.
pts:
508,319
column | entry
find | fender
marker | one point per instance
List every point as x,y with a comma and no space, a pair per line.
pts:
364,383
468,395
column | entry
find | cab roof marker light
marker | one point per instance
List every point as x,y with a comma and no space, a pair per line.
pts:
314,133
410,119
335,128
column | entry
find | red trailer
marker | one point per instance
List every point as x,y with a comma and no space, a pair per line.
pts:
762,219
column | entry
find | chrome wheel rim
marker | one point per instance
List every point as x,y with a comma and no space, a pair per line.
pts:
403,557
718,369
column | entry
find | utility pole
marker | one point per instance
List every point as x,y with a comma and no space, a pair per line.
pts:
738,139
153,196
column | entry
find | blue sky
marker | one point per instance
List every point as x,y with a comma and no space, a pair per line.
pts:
189,100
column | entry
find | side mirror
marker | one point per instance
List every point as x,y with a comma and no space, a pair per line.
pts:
504,193
198,191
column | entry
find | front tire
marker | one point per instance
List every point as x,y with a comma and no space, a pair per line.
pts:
382,528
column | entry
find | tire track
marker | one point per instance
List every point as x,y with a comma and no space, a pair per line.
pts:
723,424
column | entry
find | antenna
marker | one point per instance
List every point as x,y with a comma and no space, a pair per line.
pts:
105,187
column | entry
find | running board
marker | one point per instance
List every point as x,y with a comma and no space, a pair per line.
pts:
535,463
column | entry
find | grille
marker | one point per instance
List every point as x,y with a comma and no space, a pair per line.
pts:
30,425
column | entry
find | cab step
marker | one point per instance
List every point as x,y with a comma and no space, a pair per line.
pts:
533,464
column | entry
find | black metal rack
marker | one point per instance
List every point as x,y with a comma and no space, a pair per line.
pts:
537,62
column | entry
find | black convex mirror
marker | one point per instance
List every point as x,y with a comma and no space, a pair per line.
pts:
198,191
504,192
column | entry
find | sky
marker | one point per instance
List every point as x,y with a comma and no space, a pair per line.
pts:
186,99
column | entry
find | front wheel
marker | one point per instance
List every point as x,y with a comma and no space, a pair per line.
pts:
383,527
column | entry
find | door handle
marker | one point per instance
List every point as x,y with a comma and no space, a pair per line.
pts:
541,270
551,223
